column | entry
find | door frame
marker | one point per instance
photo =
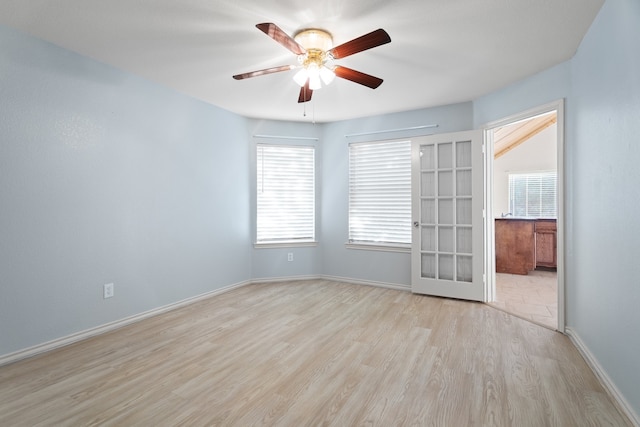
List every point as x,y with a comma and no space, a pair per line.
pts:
490,270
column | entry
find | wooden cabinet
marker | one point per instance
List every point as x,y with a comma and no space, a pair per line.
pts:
546,238
525,244
515,245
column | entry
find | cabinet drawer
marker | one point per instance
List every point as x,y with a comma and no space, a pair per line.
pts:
548,226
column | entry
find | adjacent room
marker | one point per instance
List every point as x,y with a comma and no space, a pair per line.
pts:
268,213
525,194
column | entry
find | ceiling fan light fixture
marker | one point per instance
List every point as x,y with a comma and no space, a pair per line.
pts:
314,82
327,75
301,76
316,43
313,71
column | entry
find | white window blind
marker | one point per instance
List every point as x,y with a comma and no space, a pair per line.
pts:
533,194
285,194
380,192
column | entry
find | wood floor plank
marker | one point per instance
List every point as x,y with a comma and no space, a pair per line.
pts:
313,353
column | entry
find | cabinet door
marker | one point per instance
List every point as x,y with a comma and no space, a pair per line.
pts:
546,243
514,246
545,249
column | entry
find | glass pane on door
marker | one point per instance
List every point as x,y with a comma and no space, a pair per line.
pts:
446,216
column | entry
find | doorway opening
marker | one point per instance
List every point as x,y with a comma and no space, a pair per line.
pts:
524,205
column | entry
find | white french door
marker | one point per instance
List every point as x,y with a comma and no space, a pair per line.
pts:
447,181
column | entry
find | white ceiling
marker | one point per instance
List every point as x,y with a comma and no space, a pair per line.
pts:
441,51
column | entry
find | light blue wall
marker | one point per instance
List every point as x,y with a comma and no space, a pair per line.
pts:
271,263
601,85
366,265
604,269
106,177
330,257
540,89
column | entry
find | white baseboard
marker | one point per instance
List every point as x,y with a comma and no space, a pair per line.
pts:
395,286
98,330
603,377
284,279
107,327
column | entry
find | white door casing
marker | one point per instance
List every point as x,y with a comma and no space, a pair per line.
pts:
558,107
447,181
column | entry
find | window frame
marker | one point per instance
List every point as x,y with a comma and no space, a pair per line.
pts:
381,245
292,241
531,175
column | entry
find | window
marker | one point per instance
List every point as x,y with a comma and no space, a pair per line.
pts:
533,194
285,194
380,193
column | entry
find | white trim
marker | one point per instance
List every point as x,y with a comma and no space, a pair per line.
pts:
290,244
286,193
378,247
558,107
561,222
283,279
302,138
352,281
108,327
489,278
382,218
602,376
375,132
394,286
525,115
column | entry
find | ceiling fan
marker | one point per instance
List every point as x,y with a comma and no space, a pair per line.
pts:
316,57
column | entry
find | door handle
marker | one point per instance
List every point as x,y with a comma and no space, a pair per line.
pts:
416,224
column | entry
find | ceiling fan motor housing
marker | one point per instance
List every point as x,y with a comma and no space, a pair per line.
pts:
313,38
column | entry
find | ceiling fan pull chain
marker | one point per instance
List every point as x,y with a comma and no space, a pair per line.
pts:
304,104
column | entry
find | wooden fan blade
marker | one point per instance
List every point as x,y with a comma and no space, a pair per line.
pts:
263,72
358,77
273,31
305,93
368,41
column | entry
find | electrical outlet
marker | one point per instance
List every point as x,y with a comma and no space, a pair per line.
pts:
290,256
107,290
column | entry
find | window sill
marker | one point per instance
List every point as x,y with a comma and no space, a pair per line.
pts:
284,245
378,247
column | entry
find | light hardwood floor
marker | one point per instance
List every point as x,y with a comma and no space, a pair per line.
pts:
313,353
